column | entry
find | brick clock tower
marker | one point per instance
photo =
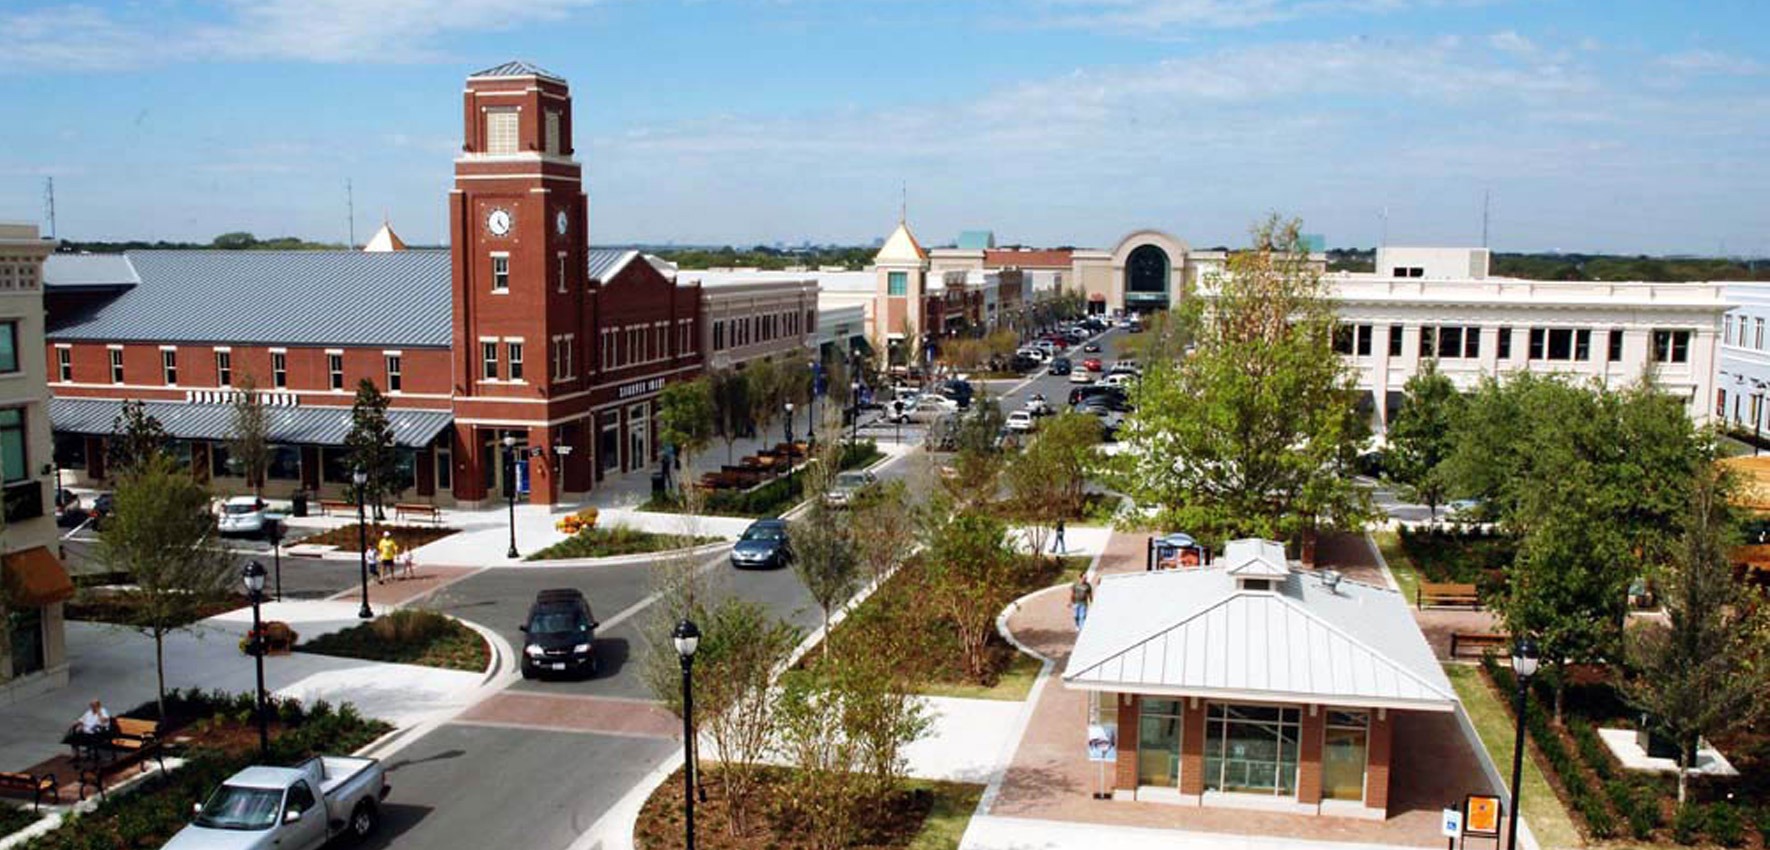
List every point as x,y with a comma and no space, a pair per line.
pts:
517,222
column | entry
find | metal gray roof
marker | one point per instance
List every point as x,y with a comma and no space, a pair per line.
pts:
1194,633
399,298
517,68
88,270
607,262
323,426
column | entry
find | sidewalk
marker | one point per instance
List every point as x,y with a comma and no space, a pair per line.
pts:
990,832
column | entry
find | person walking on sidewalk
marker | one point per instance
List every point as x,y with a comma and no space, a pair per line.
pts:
389,551
1081,595
1057,544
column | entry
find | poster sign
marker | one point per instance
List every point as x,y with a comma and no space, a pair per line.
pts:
1481,816
1103,742
1451,823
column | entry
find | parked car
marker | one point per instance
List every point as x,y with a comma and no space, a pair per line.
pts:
959,390
1059,366
764,545
1091,348
1038,406
103,506
289,808
1119,379
1021,421
847,486
559,635
925,409
1079,393
1093,364
1081,376
242,515
1127,364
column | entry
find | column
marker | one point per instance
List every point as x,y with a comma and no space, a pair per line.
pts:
1125,771
1192,747
1309,741
470,462
424,471
543,481
1376,775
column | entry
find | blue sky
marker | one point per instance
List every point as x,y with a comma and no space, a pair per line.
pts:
1622,125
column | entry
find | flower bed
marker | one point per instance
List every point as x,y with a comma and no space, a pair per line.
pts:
616,540
346,537
224,743
408,636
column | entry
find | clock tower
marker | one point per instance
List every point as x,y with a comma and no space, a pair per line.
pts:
518,238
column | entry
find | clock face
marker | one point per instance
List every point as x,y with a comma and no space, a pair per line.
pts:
498,222
562,222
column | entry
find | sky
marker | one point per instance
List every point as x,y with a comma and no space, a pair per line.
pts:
1633,126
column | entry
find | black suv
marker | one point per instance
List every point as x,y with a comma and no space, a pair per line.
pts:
560,634
1112,396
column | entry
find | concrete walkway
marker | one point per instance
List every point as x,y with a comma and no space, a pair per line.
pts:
990,832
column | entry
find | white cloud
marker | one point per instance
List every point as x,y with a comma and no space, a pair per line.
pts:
1511,42
78,38
1709,62
1157,17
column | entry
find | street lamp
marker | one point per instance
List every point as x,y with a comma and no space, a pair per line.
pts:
253,575
789,429
854,404
1524,663
811,421
361,479
510,489
687,637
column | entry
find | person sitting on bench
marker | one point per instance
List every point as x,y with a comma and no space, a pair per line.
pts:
92,729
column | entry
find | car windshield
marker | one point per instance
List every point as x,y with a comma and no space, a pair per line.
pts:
766,532
241,508
851,480
234,807
558,622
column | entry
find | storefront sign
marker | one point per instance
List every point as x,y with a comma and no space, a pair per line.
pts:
1103,742
1481,816
639,388
1451,823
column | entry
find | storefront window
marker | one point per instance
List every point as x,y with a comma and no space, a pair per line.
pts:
12,445
1344,745
285,464
1251,749
1158,742
27,640
70,451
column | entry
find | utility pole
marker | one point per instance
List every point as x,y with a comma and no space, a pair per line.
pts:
49,204
350,209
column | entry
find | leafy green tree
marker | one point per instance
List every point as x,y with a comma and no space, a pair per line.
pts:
741,649
371,446
136,436
731,406
1047,481
235,241
249,438
1702,674
1424,434
1253,432
981,425
890,521
825,551
765,395
163,534
685,417
970,574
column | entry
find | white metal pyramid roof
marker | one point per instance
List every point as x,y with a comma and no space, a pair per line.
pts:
384,240
900,248
1196,634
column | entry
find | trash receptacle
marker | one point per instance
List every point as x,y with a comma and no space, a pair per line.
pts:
657,484
299,507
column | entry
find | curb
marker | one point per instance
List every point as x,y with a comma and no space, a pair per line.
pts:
616,560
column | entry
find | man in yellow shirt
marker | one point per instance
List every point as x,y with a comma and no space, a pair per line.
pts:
388,550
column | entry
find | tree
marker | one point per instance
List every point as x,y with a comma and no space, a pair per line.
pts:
162,533
824,545
741,649
885,512
1702,674
1047,480
731,406
970,574
136,436
980,426
685,417
1424,434
764,394
249,442
371,446
1252,433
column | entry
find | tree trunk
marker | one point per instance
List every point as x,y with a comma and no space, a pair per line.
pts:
1560,691
160,673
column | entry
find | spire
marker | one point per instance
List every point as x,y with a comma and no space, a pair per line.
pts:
384,240
901,248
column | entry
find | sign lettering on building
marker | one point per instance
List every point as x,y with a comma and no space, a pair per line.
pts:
638,388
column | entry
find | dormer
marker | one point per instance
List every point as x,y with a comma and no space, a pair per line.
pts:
1257,565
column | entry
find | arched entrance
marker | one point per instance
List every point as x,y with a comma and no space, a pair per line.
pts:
1147,271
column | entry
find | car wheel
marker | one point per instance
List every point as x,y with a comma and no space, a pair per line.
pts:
527,673
364,820
595,666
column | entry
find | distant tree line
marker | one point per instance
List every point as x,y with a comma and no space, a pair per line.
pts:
764,257
236,241
1586,266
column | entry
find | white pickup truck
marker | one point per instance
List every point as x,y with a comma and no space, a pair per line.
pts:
289,808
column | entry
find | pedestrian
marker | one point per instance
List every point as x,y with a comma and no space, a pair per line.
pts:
372,563
1057,545
389,551
1081,595
408,565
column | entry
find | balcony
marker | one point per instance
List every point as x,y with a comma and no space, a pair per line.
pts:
23,501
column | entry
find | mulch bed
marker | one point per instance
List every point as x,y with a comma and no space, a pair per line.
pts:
429,639
407,536
895,825
103,607
616,540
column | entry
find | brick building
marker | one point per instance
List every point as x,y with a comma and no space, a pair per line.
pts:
517,330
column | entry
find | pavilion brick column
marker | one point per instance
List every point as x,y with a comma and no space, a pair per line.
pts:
1376,780
1192,746
1125,770
1309,742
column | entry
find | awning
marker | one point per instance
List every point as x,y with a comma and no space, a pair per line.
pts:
34,578
320,426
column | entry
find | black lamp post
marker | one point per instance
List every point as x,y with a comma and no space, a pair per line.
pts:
788,407
253,575
510,490
1524,662
687,637
854,405
361,479
811,420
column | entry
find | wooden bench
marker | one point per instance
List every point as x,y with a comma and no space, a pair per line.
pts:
327,506
430,512
1430,593
1480,641
36,786
133,741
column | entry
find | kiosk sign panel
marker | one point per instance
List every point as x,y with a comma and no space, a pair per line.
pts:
1481,816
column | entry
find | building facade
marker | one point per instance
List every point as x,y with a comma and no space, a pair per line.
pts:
35,584
1743,377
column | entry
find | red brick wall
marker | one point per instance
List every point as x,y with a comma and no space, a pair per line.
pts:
1376,780
1309,741
423,372
1192,747
1125,772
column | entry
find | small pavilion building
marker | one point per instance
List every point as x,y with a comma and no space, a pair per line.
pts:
1250,684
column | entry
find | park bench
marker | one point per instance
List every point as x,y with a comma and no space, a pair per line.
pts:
1431,593
430,512
1481,642
327,506
133,741
36,786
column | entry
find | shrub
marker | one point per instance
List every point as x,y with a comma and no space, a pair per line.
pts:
411,625
1687,824
1724,824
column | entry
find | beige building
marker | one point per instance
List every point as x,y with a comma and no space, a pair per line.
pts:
35,584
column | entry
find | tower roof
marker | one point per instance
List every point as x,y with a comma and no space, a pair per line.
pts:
385,240
901,247
517,68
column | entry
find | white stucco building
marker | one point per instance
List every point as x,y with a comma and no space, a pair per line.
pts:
1743,378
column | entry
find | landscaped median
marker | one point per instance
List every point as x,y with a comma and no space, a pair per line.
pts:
917,815
408,636
616,540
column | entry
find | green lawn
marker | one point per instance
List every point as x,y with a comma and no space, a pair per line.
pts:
1400,565
1550,823
946,822
1013,686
